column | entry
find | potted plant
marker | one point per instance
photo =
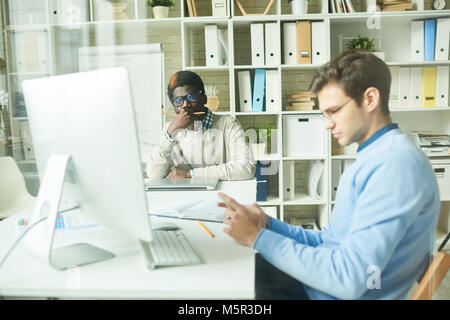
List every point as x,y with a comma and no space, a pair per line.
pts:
259,140
364,43
160,7
299,7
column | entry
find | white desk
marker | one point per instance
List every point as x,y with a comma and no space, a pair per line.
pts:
227,271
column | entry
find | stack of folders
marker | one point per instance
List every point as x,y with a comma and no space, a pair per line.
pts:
258,90
429,39
304,42
341,6
265,44
395,5
419,87
113,11
300,101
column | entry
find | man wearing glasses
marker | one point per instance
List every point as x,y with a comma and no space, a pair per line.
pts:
382,227
198,143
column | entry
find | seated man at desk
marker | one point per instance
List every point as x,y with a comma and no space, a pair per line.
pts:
198,143
381,233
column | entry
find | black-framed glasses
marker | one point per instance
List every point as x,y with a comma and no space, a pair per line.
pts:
329,116
190,97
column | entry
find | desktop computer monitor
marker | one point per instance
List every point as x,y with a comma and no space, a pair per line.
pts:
83,129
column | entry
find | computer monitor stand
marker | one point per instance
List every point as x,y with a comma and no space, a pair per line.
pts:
41,237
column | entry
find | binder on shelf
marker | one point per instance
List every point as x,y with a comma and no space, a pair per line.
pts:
336,171
429,39
318,46
261,182
416,87
25,135
394,91
303,42
245,91
258,90
272,44
219,8
429,86
257,43
213,50
442,41
289,180
404,82
417,40
442,86
273,102
332,6
289,43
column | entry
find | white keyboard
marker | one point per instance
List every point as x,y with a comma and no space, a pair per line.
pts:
170,248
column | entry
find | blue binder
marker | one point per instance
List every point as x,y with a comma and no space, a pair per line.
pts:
429,39
261,182
259,89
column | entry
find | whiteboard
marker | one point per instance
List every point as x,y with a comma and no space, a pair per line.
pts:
145,64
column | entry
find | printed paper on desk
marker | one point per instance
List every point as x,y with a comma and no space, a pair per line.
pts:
204,209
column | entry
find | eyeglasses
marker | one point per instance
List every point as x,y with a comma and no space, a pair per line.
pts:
190,97
332,113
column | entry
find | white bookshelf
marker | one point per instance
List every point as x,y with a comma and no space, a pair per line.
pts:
184,45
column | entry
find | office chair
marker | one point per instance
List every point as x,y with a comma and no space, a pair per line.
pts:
14,196
432,278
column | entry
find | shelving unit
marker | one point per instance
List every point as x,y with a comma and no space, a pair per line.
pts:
183,40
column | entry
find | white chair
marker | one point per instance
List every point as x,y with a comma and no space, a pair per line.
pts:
14,196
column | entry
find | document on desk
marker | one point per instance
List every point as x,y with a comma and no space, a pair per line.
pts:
192,209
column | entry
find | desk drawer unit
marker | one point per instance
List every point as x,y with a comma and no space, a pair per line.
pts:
442,173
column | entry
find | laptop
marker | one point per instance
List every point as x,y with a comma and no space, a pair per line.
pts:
181,184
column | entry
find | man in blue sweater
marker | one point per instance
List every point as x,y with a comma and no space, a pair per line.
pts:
381,232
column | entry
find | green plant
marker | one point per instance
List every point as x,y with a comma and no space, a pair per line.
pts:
362,43
162,3
260,134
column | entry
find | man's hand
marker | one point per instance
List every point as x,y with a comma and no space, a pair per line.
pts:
183,120
178,173
245,221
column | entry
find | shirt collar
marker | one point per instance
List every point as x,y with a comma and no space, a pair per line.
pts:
207,120
376,135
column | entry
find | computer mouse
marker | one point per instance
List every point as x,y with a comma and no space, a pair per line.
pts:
164,226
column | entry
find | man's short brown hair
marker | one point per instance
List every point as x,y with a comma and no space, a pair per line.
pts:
355,71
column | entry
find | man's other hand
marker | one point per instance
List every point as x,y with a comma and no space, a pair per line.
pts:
178,173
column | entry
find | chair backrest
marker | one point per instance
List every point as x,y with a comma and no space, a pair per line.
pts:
432,278
12,184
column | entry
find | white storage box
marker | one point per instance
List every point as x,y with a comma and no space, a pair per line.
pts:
442,173
303,136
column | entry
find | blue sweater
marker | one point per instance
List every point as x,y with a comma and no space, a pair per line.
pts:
381,232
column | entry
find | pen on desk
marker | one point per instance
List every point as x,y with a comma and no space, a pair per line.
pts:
206,229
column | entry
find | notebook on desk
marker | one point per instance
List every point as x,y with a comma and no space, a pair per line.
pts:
181,184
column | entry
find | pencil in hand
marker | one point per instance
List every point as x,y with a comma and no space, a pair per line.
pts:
197,113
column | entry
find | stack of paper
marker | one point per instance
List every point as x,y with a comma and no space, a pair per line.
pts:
193,209
300,101
394,5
